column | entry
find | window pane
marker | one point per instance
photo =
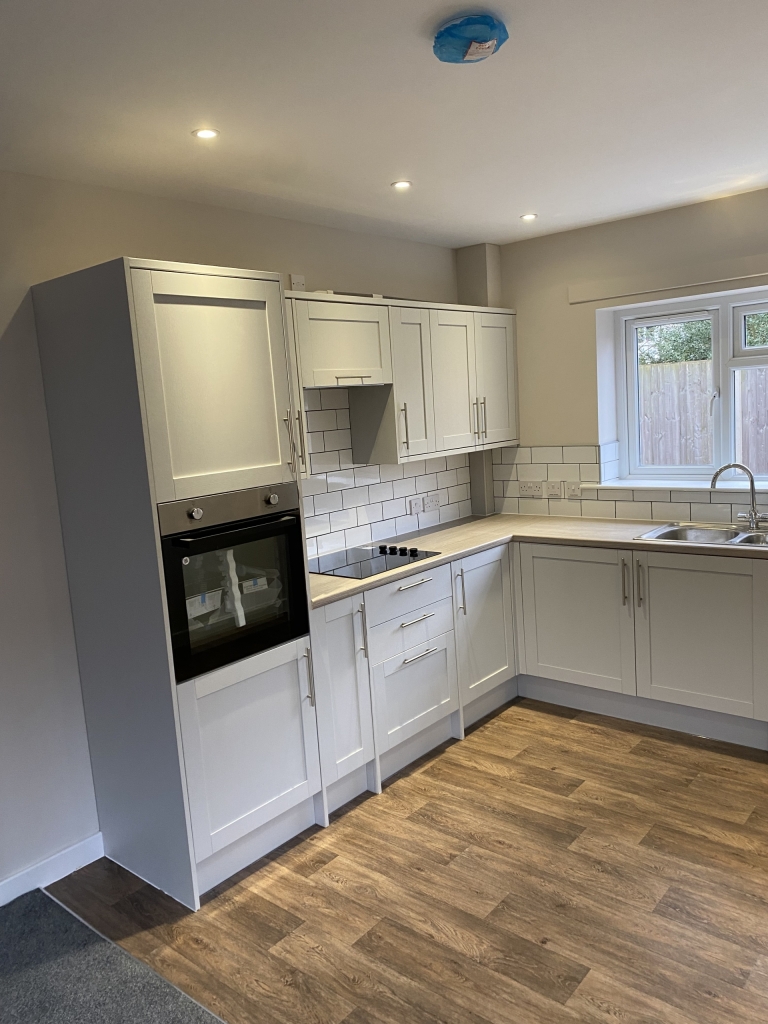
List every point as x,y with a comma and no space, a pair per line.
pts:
756,330
674,376
752,418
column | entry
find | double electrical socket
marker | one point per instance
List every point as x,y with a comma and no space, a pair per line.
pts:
549,489
423,503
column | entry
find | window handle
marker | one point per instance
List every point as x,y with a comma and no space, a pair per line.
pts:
715,395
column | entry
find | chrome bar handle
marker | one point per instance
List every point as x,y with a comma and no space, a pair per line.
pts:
407,432
364,628
624,595
429,615
302,445
485,419
292,441
310,676
423,654
463,592
476,431
410,586
639,566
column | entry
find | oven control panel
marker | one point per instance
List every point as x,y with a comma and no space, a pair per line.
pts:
230,507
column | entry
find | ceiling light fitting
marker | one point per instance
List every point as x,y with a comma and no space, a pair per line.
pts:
205,133
529,216
402,186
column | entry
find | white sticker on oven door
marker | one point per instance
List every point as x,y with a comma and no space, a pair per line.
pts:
257,583
202,604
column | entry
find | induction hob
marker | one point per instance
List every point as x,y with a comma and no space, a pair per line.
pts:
369,560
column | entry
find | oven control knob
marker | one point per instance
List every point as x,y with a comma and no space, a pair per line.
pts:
195,513
272,499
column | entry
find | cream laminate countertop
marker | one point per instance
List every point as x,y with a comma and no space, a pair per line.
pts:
479,534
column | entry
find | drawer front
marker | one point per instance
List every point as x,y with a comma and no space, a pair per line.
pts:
415,690
391,638
407,595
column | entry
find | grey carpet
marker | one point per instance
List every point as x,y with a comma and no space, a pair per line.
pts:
56,970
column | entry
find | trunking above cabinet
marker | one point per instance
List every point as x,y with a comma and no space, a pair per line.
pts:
430,379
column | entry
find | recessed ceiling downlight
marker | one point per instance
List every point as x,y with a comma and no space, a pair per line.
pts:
401,186
529,216
205,133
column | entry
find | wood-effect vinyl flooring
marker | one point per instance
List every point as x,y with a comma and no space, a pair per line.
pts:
556,866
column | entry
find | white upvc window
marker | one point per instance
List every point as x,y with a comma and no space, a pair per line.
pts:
693,388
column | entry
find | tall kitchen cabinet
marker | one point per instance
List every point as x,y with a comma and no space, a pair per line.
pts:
423,378
162,381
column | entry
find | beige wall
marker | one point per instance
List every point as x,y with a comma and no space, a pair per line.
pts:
48,228
658,255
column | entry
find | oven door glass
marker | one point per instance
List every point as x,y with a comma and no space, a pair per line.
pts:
234,591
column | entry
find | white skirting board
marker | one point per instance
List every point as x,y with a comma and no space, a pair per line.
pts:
51,870
710,724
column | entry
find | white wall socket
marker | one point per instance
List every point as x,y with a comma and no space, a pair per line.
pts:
415,505
531,489
431,502
297,283
573,489
553,489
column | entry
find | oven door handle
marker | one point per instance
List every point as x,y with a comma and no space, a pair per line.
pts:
187,541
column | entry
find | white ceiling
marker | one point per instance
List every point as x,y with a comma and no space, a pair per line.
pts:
594,109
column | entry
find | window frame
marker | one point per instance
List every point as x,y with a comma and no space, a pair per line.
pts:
729,354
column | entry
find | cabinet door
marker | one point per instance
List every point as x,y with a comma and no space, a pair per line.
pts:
215,380
697,625
344,717
578,615
249,737
343,343
496,377
414,690
454,382
483,622
412,369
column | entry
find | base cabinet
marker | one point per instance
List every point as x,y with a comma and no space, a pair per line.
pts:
414,690
700,632
344,716
249,737
484,634
578,619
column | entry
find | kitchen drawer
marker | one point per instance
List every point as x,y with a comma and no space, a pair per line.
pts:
407,595
391,638
414,690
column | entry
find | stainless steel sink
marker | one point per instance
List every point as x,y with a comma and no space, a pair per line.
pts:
692,533
752,538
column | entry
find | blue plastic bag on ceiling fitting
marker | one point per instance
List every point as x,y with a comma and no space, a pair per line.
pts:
454,41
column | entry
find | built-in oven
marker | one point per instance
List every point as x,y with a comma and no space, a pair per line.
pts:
234,575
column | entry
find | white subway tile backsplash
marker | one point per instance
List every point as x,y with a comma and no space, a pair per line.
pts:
330,502
383,530
670,510
462,475
547,454
507,505
427,519
354,496
563,507
699,497
314,485
391,473
532,471
598,509
456,461
650,494
337,440
425,483
324,462
458,493
393,509
704,512
346,461
367,475
448,513
342,419
436,465
315,442
533,506
589,473
417,468
615,494
369,513
360,535
496,455
465,508
449,478
311,547
406,524
514,456
334,398
382,492
315,525
344,519
580,453
609,452
589,493
563,471
609,471
402,488
311,399
308,504
633,510
341,480
321,420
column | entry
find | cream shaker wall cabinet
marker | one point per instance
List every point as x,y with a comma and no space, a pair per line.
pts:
343,344
214,370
